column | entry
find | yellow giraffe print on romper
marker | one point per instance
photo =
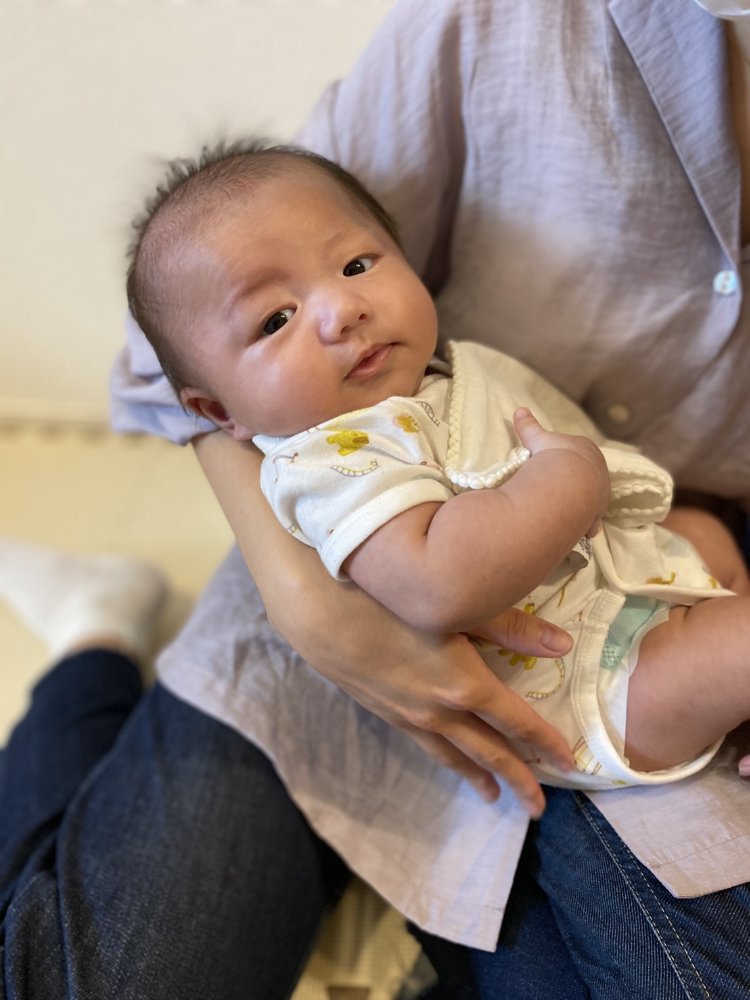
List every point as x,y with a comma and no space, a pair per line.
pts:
348,441
406,423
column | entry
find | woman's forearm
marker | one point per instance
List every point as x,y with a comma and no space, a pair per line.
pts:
300,596
284,570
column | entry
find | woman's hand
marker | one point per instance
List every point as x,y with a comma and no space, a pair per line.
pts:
435,688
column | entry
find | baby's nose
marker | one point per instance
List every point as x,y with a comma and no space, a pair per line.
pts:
341,313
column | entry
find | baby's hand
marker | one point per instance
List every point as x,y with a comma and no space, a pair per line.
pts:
538,440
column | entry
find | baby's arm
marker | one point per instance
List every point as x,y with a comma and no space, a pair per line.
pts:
436,689
450,566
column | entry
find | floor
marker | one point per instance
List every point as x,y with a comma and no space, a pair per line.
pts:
85,489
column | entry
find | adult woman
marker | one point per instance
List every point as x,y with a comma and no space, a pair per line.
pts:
567,177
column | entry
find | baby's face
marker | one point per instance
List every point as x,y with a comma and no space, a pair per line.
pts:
300,307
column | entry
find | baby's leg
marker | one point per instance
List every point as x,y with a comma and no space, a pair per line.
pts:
691,684
715,544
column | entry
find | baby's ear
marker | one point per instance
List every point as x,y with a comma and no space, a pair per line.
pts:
206,406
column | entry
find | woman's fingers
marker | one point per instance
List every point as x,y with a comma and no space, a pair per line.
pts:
522,633
506,712
482,746
490,731
463,744
449,755
438,689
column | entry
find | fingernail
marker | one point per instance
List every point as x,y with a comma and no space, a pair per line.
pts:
744,769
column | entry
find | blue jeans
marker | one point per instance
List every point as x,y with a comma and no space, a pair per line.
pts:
148,851
586,919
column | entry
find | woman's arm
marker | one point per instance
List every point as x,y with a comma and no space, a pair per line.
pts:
436,688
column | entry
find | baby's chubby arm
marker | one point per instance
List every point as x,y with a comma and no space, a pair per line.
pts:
451,566
435,688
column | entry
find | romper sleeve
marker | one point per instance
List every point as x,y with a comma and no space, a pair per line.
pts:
334,485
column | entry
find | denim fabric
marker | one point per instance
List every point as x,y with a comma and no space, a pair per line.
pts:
586,919
148,851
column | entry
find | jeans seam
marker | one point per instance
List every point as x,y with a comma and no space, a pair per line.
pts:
634,892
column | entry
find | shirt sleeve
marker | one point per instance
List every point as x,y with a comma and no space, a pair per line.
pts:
141,398
333,486
396,123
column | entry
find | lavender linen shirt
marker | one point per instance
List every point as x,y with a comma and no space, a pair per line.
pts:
566,178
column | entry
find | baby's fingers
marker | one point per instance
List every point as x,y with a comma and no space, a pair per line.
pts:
528,428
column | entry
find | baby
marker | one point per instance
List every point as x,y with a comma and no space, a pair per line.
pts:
279,301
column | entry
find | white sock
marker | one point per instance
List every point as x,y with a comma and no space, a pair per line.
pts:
65,598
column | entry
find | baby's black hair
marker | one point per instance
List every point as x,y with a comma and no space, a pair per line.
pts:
184,201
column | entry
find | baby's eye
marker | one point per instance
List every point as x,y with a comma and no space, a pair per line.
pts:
279,319
358,266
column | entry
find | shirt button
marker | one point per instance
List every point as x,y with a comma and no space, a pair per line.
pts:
725,282
619,413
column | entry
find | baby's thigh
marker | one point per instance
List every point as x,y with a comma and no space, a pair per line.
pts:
690,684
715,544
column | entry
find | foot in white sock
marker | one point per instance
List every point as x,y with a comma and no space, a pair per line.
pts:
66,598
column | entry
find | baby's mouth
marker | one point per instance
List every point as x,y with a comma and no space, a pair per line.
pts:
371,363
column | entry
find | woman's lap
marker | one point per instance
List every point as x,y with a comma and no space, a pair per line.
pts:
586,919
180,866
628,935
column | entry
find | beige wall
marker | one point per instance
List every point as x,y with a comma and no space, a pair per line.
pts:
92,94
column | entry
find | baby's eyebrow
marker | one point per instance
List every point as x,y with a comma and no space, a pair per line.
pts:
246,287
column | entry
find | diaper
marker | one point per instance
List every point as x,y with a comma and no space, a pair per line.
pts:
584,695
637,616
